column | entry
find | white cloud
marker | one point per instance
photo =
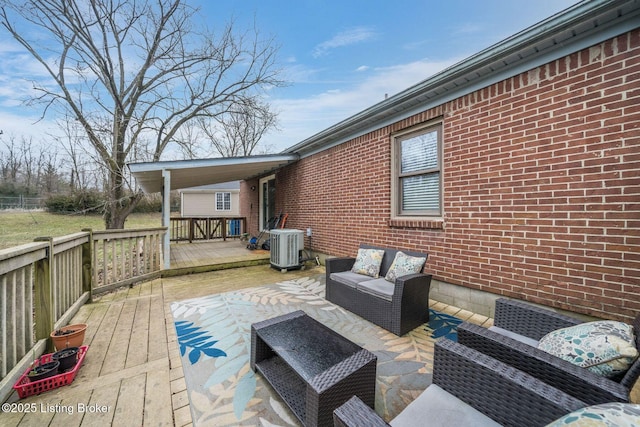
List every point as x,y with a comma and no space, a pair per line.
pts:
303,117
362,68
20,125
344,38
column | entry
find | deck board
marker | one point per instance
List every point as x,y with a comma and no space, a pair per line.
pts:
130,407
116,353
157,405
139,339
105,396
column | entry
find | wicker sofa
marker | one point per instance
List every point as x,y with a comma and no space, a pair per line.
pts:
470,389
397,307
517,328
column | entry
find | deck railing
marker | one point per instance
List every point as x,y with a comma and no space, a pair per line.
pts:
43,284
206,228
122,257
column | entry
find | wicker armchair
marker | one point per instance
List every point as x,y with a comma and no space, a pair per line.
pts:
470,388
516,318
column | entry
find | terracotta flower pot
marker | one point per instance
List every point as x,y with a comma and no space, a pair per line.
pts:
69,336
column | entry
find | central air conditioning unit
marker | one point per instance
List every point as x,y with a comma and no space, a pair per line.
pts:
286,245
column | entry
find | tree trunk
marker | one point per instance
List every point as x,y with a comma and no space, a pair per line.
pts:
119,204
117,212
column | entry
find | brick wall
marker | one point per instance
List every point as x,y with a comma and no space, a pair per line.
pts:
541,187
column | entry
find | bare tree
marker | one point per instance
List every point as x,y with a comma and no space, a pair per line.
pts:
240,130
12,160
129,71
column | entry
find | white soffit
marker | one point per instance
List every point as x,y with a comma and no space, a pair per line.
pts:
193,173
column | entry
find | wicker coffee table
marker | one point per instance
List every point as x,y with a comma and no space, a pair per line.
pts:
314,369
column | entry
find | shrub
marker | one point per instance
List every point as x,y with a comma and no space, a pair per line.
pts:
149,204
84,202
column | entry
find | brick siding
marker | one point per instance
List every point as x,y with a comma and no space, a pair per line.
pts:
541,187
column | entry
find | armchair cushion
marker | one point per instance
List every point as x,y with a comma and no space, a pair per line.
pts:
607,414
368,262
605,347
404,264
441,409
513,335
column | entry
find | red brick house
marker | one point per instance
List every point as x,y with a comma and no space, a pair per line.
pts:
517,170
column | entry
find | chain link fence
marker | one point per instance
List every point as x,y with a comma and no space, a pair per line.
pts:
21,202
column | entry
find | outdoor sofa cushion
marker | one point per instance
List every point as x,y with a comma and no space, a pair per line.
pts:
604,347
403,265
368,262
380,288
349,278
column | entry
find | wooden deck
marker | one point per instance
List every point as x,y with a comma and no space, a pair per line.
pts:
132,374
198,257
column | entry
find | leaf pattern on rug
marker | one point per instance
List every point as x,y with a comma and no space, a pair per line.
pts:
191,336
443,325
224,391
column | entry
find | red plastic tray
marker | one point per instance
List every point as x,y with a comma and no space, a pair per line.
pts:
26,388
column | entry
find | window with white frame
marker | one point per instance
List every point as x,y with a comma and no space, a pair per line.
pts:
417,177
223,201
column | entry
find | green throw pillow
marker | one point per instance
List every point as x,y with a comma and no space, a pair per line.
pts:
615,414
604,347
404,264
368,262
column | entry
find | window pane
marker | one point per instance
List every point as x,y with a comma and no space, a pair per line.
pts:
223,201
419,152
421,192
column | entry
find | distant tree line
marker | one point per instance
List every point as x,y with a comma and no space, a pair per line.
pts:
68,181
30,169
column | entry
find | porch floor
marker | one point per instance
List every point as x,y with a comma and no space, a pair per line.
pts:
132,374
201,256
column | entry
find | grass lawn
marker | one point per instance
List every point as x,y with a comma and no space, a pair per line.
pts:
20,227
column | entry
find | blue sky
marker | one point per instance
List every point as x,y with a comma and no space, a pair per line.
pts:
339,57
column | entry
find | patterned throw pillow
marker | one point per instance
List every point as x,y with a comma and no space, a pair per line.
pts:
604,415
368,262
404,264
605,347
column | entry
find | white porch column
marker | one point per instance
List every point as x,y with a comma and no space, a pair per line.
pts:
166,215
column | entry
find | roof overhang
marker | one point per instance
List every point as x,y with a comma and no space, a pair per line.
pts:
192,173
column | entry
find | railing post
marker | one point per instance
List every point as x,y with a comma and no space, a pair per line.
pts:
224,229
87,264
44,309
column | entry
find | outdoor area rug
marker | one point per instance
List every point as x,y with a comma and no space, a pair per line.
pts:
214,335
